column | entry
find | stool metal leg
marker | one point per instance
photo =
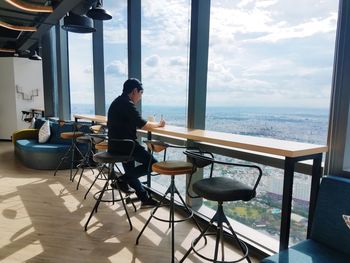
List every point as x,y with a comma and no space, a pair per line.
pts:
73,147
125,208
72,161
65,156
219,218
189,211
96,204
197,240
85,163
93,183
151,216
172,190
172,211
99,199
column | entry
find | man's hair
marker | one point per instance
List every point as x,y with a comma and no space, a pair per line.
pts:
130,84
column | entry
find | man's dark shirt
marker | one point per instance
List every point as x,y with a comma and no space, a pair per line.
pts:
123,119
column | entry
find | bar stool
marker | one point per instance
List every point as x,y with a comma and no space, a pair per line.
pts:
70,153
90,140
85,162
100,143
171,168
110,160
220,189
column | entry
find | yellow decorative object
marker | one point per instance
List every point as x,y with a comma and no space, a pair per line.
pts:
25,134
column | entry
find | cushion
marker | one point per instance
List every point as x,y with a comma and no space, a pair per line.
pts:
44,132
172,167
223,189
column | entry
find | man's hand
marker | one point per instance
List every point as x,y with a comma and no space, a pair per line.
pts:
150,125
162,123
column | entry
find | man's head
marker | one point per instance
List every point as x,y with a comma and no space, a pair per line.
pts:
133,88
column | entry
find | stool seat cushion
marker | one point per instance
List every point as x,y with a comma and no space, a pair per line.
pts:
101,145
223,189
106,157
172,167
71,135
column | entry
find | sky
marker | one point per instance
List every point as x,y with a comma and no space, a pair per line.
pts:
261,53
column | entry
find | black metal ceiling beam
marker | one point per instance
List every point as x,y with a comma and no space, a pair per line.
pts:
60,11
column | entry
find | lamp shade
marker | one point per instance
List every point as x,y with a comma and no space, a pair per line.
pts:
98,13
35,56
78,24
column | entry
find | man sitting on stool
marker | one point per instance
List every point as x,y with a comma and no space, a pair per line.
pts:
123,121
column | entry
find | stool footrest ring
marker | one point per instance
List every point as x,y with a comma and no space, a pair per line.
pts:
111,200
190,215
245,248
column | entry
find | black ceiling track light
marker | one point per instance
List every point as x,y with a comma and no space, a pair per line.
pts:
98,13
78,24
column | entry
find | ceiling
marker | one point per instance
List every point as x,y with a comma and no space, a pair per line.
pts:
25,42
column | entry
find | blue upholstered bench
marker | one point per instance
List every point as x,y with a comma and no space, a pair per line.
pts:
45,156
330,237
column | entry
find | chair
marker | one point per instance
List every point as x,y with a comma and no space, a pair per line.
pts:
220,189
99,143
329,240
90,140
106,158
171,168
73,149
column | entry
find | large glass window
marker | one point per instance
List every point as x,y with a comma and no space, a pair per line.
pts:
165,51
115,49
269,75
81,73
165,47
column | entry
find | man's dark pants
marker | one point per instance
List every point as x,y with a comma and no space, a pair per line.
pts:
133,173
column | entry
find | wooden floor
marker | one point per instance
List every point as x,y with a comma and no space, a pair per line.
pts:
42,219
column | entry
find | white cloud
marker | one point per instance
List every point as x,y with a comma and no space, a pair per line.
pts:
116,68
266,3
115,35
178,61
152,61
165,26
307,29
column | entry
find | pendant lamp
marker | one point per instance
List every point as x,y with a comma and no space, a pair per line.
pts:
98,13
77,24
35,56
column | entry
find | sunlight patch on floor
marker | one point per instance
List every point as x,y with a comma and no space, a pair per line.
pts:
70,202
22,254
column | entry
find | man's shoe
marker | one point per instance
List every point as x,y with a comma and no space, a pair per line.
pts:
148,203
123,186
